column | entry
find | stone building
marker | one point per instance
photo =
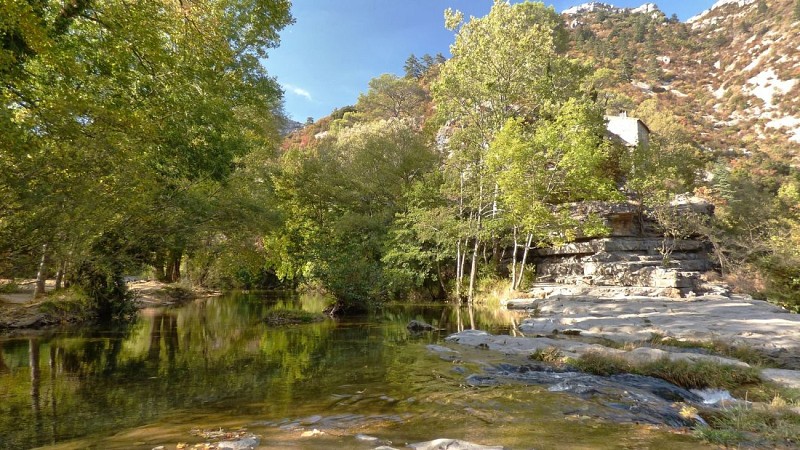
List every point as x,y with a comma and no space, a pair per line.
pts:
629,131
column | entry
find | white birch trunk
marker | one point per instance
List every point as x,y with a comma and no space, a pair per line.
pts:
524,258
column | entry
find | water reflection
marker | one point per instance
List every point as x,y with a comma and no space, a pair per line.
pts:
213,353
216,357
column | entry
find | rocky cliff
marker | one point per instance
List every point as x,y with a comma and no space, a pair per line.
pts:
635,255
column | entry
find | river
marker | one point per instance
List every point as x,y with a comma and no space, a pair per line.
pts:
178,373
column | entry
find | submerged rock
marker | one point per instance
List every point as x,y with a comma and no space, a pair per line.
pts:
451,444
418,325
246,443
280,317
626,398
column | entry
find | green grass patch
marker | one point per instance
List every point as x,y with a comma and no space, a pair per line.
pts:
767,425
292,317
770,423
551,355
68,305
690,375
700,374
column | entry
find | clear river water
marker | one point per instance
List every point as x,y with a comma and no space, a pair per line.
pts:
179,373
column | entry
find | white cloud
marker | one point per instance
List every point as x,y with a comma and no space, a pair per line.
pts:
298,91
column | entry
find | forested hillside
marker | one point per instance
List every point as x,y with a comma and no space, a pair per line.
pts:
145,139
729,78
701,89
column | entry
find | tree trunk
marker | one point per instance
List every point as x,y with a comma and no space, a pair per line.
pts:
440,276
62,267
459,270
158,267
173,271
524,258
514,262
473,271
41,275
176,266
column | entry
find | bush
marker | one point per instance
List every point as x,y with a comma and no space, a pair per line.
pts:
110,299
9,287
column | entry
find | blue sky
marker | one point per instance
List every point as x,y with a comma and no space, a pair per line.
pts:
336,46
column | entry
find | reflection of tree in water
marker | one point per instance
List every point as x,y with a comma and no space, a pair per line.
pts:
164,328
3,367
215,354
33,363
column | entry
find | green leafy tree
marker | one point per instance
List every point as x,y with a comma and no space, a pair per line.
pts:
541,170
127,121
509,64
339,198
390,96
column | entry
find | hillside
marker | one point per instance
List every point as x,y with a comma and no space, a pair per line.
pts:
730,73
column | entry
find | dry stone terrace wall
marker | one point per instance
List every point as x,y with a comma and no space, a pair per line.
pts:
632,256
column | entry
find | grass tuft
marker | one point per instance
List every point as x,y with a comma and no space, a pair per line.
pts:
690,375
747,354
550,355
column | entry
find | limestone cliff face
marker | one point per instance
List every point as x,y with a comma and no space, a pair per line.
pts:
635,254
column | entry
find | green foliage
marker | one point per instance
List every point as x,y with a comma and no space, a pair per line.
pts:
390,97
9,287
129,119
756,227
423,68
508,69
553,164
338,199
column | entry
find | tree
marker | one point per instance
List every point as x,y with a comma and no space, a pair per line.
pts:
413,67
541,170
126,124
339,198
509,64
390,96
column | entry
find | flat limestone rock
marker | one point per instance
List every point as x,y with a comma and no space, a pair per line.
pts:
246,443
789,378
736,320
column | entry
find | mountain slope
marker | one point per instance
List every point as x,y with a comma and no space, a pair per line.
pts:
732,73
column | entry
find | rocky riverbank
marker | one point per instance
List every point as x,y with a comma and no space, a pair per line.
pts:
726,366
737,321
19,311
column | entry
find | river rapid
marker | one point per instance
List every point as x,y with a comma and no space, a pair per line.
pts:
213,370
